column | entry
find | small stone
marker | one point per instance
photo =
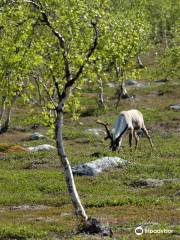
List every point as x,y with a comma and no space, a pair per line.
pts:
65,214
95,131
154,182
131,82
177,194
111,85
44,219
36,136
175,106
161,81
43,147
93,226
35,126
148,183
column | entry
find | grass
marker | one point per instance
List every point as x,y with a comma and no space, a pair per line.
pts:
34,203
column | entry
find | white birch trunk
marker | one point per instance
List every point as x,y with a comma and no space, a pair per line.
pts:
101,93
67,168
8,117
3,107
5,125
140,64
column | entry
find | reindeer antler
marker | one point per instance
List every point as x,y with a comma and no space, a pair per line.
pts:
109,135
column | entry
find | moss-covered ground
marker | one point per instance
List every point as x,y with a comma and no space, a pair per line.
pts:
34,203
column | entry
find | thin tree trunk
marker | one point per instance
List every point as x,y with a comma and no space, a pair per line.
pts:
139,62
121,92
3,107
90,225
38,89
101,93
67,168
165,38
5,126
8,117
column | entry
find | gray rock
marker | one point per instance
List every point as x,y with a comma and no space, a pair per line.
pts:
45,219
177,194
95,131
95,167
172,180
148,183
134,83
65,214
36,136
93,226
111,85
131,82
175,106
43,147
153,182
162,81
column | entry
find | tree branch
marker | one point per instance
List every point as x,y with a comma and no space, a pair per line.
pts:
90,51
70,83
48,94
68,75
46,21
55,80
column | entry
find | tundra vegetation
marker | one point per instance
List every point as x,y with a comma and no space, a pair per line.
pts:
63,65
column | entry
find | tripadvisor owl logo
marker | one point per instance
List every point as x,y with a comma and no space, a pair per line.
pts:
139,231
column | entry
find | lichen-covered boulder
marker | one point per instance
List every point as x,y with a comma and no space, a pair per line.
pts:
95,167
43,147
152,183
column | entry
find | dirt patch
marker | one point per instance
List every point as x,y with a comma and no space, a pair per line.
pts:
166,128
8,148
13,137
28,207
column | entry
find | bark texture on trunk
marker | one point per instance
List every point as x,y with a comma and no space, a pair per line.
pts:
166,38
2,108
101,93
8,117
121,93
139,62
5,125
38,90
67,168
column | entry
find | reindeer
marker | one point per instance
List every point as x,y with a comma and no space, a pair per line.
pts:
130,121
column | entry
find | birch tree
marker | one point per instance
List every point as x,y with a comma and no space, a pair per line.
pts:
64,40
15,61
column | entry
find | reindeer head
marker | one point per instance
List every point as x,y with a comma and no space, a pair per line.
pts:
114,143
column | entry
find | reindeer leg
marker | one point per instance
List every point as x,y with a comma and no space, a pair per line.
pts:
148,136
136,139
130,138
